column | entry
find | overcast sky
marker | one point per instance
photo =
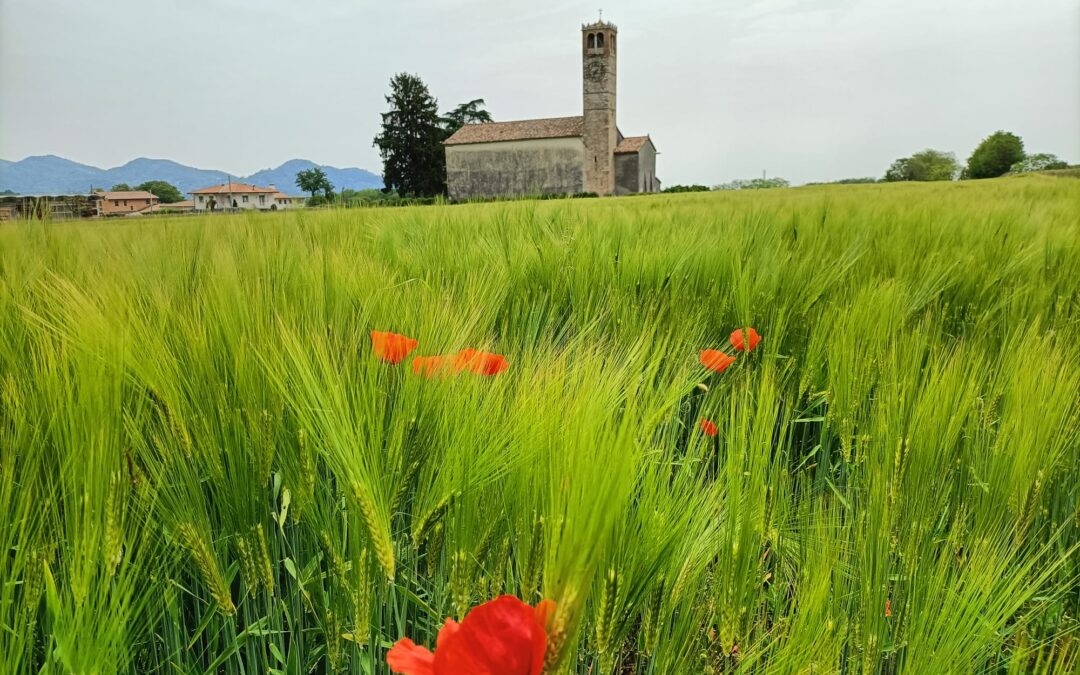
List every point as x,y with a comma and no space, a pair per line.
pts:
803,89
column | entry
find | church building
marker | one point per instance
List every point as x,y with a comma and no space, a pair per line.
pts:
557,155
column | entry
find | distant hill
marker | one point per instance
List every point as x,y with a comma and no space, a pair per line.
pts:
49,174
284,177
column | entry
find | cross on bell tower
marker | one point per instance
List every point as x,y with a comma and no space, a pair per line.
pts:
598,94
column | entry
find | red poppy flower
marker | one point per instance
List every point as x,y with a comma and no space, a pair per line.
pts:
708,427
501,637
480,363
716,360
745,338
888,608
391,347
430,366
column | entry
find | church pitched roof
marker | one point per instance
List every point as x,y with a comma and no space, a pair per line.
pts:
521,130
631,144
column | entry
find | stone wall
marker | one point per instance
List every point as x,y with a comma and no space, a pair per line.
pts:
626,173
647,169
542,166
636,171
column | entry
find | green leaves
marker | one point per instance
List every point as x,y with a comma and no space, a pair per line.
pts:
995,155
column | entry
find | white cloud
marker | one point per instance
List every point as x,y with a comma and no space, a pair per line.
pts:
805,90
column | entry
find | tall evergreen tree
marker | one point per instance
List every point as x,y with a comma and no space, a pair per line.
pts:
410,142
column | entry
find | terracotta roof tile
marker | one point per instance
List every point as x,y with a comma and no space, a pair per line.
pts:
631,144
521,130
232,188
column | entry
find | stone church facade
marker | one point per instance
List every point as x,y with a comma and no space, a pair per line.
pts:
558,155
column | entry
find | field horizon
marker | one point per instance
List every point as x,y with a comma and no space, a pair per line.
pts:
205,467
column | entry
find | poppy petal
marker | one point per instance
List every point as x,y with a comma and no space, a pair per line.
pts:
545,612
408,658
391,347
449,628
430,366
498,637
493,364
745,339
480,363
715,360
465,359
708,427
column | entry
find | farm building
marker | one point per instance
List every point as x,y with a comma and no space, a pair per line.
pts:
243,196
561,155
125,203
56,207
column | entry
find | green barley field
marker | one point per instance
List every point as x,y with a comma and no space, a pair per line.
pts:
205,469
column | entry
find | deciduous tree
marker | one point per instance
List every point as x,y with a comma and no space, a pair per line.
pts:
166,192
924,166
313,180
1042,161
995,155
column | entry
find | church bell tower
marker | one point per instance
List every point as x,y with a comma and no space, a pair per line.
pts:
598,88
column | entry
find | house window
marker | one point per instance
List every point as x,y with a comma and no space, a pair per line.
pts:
262,199
245,199
116,202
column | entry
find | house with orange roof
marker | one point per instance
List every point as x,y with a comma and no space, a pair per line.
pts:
242,196
125,202
176,207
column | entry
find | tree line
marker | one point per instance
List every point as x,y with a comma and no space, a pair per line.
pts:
166,192
999,153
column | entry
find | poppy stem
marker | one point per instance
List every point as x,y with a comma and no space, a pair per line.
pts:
714,460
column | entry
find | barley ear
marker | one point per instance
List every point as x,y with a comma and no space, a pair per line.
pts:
377,530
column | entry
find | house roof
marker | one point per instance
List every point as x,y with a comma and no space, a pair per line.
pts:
127,194
521,130
232,188
185,204
282,195
631,144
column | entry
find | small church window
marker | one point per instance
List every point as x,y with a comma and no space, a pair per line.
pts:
592,40
599,40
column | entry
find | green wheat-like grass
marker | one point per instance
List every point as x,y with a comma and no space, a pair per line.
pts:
203,468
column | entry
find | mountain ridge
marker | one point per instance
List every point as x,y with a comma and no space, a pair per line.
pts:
52,175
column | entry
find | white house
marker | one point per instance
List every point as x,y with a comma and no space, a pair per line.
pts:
243,196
